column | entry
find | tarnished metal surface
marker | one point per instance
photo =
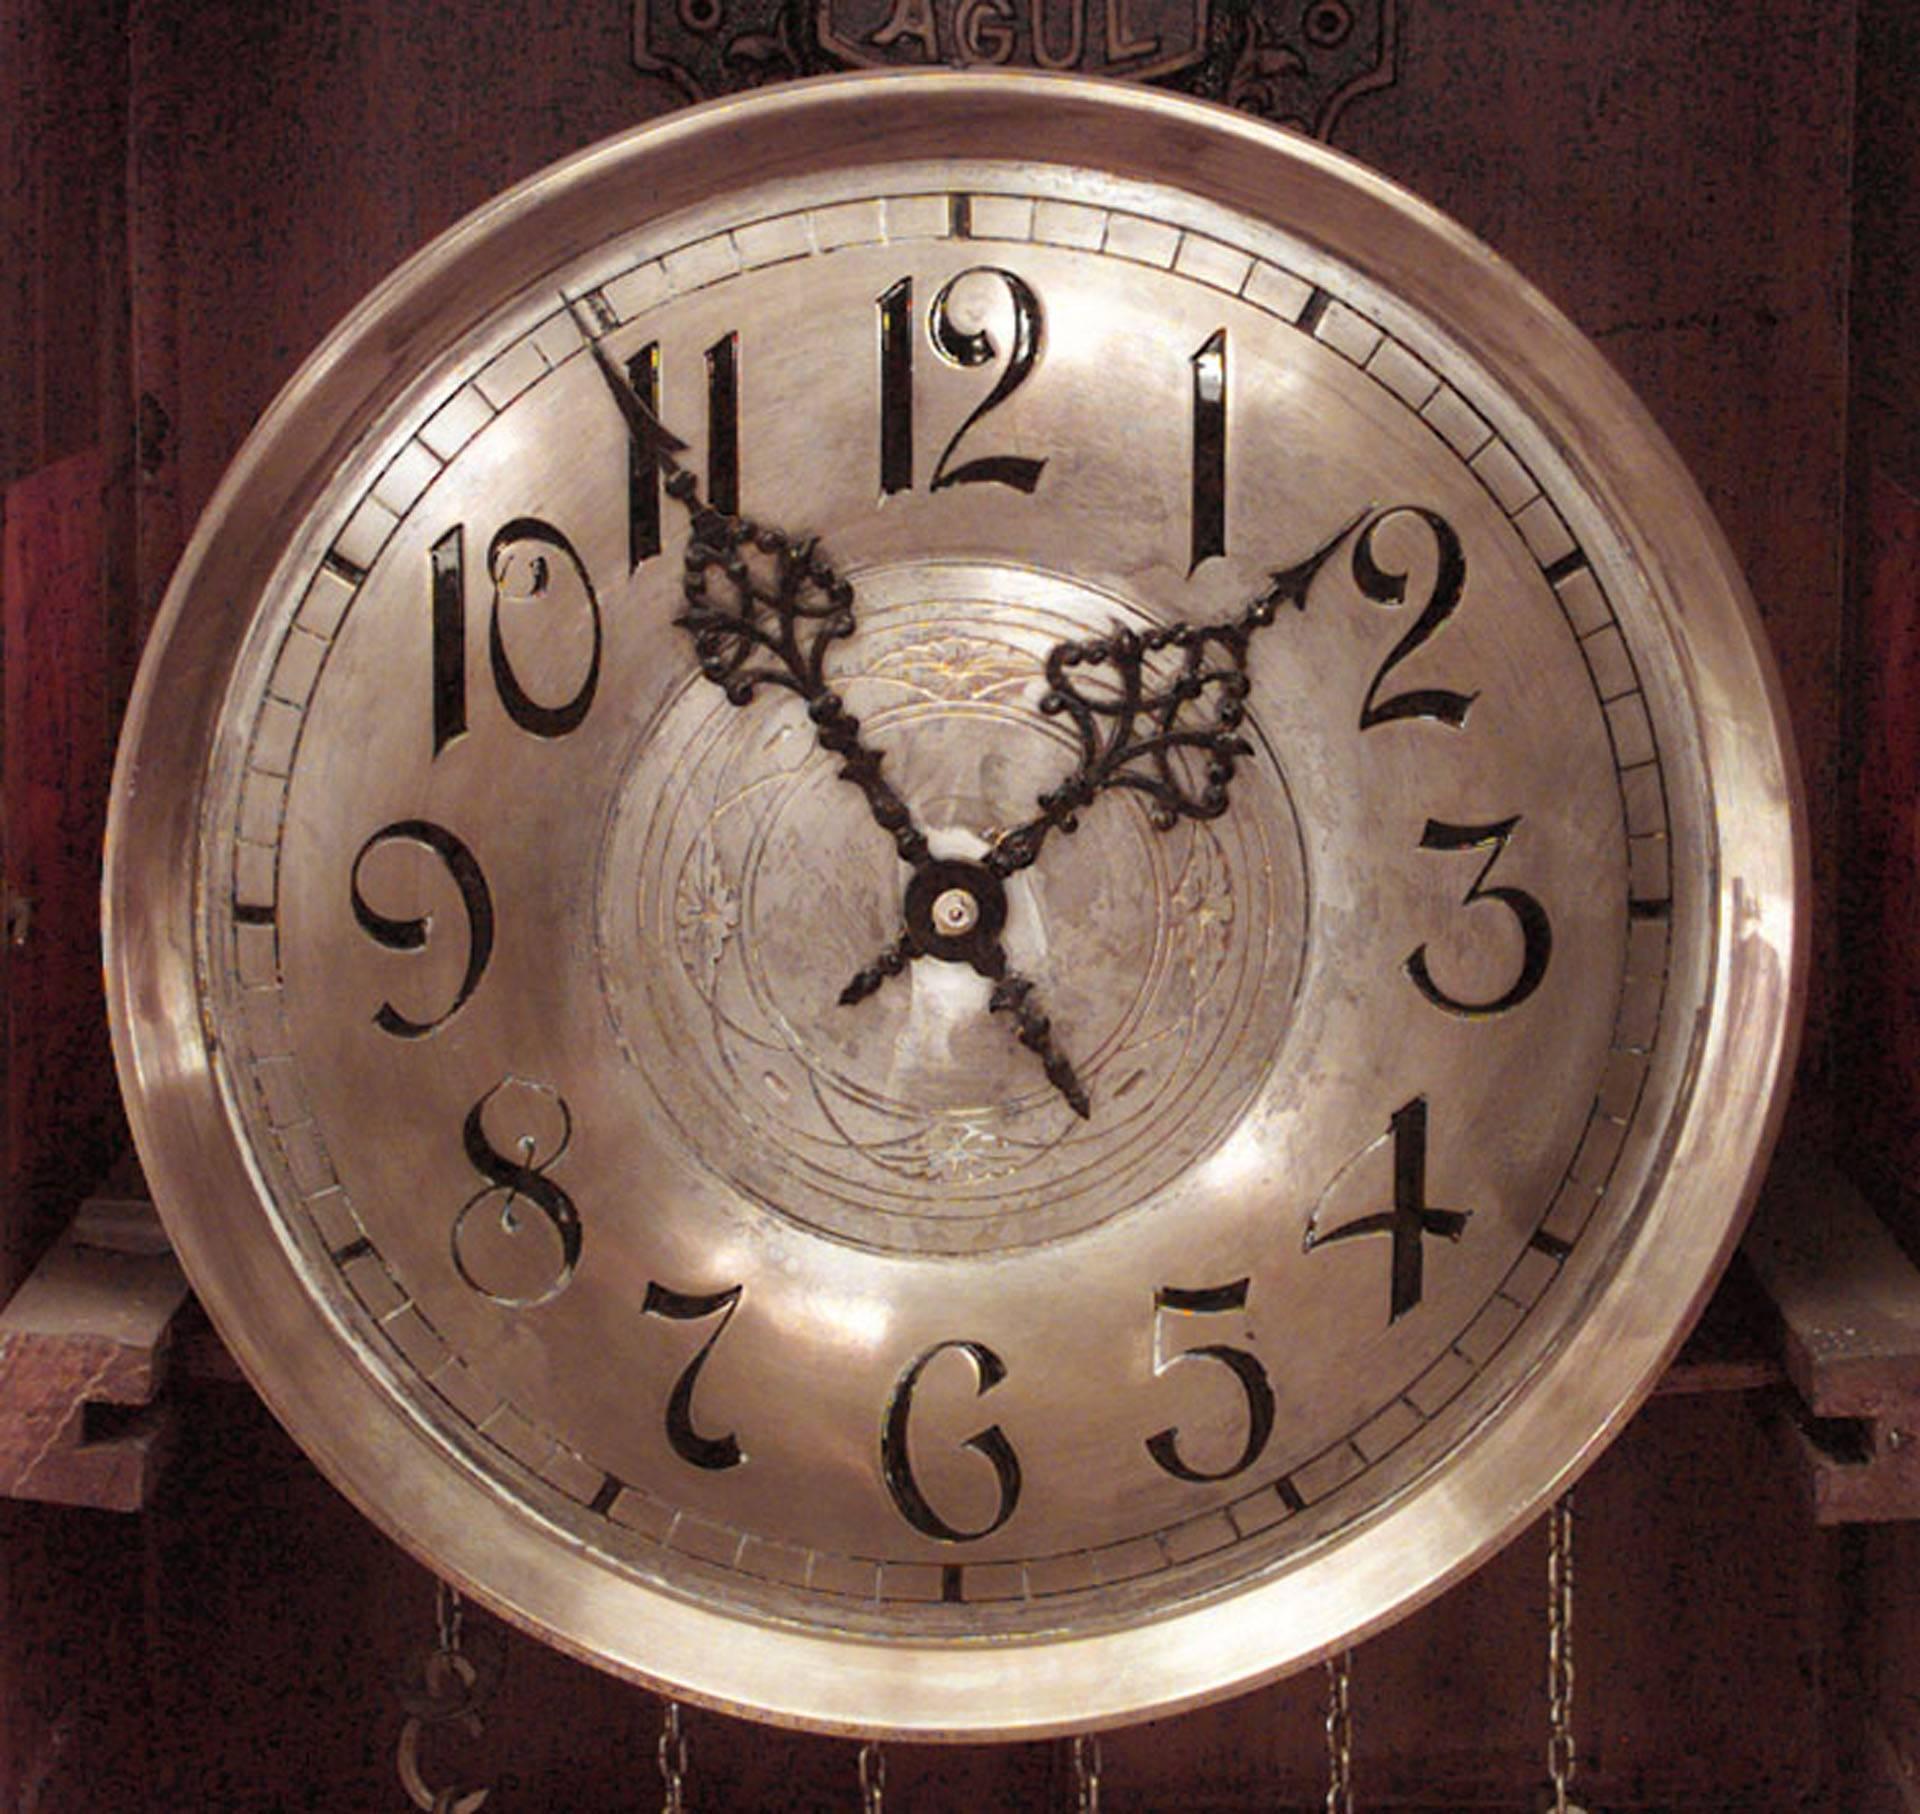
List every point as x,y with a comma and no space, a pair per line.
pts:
1275,624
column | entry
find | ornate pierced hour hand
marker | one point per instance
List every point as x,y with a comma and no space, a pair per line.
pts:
763,607
1166,721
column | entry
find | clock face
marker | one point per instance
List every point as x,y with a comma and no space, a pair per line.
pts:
939,929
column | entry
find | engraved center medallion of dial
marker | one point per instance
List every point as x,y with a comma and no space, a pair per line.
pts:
744,886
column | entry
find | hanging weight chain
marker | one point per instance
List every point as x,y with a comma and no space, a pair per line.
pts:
673,1760
1561,1760
1086,1774
451,1693
873,1778
1340,1733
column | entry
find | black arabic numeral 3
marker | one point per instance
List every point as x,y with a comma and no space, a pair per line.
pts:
1536,930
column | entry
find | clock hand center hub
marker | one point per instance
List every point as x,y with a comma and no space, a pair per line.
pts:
955,909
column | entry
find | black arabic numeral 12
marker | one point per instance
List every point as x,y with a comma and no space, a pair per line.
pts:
710,1452
411,934
896,1462
522,565
499,1250
1536,930
1385,586
1213,1300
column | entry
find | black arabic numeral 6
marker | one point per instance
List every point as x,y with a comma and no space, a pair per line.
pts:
896,1462
1388,586
526,561
411,934
1536,930
499,1251
711,1452
1212,1300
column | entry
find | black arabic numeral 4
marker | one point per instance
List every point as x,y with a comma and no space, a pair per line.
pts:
896,1461
711,1452
516,1259
395,934
1388,586
1536,930
526,562
1212,1300
968,349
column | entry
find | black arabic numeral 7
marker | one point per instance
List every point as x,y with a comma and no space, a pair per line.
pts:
1536,930
1386,586
411,934
896,1462
524,564
711,1452
1212,1300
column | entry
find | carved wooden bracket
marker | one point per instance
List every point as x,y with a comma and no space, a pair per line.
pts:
1849,1304
83,1354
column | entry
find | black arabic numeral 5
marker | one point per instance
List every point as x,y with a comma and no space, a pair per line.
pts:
1212,1300
525,563
1536,930
1388,586
516,1260
711,1452
896,1461
411,934
967,348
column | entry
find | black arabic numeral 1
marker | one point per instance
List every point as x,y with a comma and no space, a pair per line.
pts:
411,934
1213,1300
1386,586
970,348
1536,930
896,388
498,1250
711,1452
896,1462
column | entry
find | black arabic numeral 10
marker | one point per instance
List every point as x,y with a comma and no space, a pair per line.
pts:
1536,930
1212,1300
711,1452
1387,586
499,1250
967,349
896,1461
524,564
394,934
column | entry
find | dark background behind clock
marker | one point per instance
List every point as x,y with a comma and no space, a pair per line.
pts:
1725,195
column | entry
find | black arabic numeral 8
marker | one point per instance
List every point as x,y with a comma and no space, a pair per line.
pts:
1388,586
499,1250
896,1461
1213,1300
711,1452
526,562
395,934
1536,930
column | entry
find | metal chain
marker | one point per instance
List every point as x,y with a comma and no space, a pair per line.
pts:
1561,1758
452,1690
1340,1733
873,1778
673,1759
1086,1773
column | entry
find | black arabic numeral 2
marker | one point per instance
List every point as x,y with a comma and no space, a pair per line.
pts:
1536,930
1387,586
499,1250
896,1462
967,348
411,934
525,564
711,1452
1213,1300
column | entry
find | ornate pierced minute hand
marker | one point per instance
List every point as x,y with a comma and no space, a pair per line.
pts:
763,607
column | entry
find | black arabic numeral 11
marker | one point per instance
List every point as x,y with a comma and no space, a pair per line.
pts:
711,1452
896,1461
524,564
411,934
1213,1300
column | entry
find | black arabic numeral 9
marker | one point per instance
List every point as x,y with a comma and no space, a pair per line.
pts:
896,1461
1213,1300
528,562
394,934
